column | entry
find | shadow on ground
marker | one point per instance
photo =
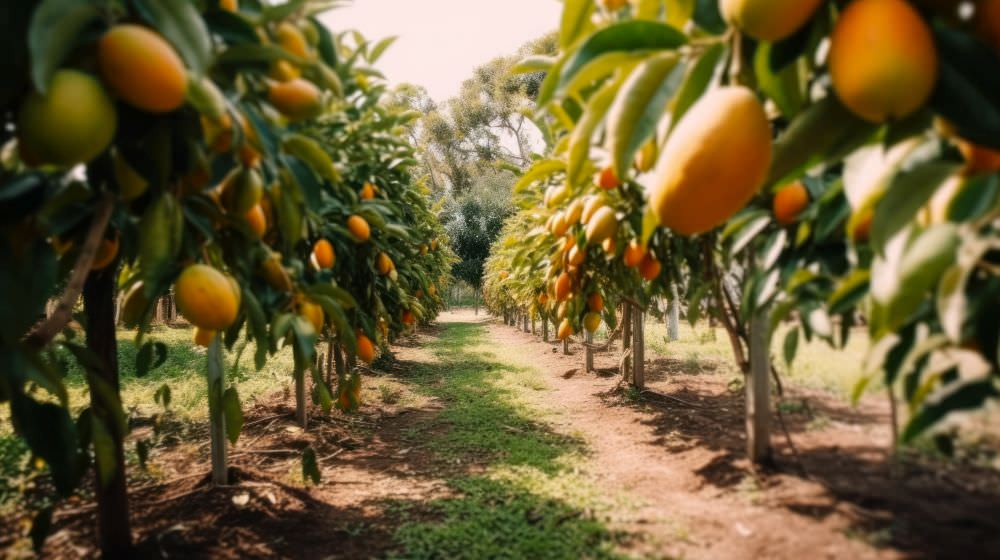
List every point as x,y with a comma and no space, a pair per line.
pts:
922,507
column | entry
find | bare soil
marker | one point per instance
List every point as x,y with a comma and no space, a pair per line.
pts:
676,453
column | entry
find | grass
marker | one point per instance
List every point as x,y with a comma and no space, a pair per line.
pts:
817,365
526,498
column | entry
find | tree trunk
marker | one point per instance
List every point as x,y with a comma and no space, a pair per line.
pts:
545,329
216,416
301,406
639,349
532,324
758,391
113,531
627,341
566,346
673,315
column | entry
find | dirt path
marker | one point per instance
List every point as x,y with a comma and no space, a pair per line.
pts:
483,442
681,460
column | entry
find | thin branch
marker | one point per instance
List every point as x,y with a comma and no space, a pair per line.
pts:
44,332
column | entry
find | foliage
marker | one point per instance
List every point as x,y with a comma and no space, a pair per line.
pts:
279,117
899,235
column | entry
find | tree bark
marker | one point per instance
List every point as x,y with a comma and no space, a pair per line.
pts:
113,531
216,416
639,349
627,341
673,315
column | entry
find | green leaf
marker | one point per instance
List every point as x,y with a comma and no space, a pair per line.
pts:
783,87
144,359
54,30
580,139
310,467
965,95
51,434
380,48
849,291
182,25
696,82
968,396
629,36
311,152
791,346
638,107
539,171
233,413
575,21
162,396
906,194
531,64
707,16
824,132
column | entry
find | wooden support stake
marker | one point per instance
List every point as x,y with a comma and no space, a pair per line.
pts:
566,346
545,329
301,406
627,341
588,354
758,391
639,349
216,416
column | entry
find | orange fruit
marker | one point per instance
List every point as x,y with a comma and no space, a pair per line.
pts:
575,256
592,322
292,40
432,290
613,5
634,254
242,190
565,330
313,313
543,298
106,253
595,302
384,264
203,337
275,274
713,163
650,267
408,318
978,159
206,297
602,225
434,244
72,123
789,202
142,68
324,254
882,59
564,287
504,274
358,228
367,191
257,221
768,20
607,179
229,5
366,350
284,71
295,99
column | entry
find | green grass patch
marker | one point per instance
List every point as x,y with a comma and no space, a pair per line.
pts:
530,501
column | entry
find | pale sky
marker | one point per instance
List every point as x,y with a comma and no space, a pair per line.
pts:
441,41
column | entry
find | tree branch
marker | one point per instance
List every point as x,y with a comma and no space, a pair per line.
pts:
43,333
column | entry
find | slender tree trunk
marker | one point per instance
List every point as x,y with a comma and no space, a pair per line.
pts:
545,329
758,391
627,341
532,324
216,416
566,346
475,301
301,406
639,349
113,531
673,315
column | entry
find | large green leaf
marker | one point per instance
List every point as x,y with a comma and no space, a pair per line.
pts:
580,140
233,413
697,80
907,193
638,107
54,31
967,396
966,95
575,21
628,36
182,25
